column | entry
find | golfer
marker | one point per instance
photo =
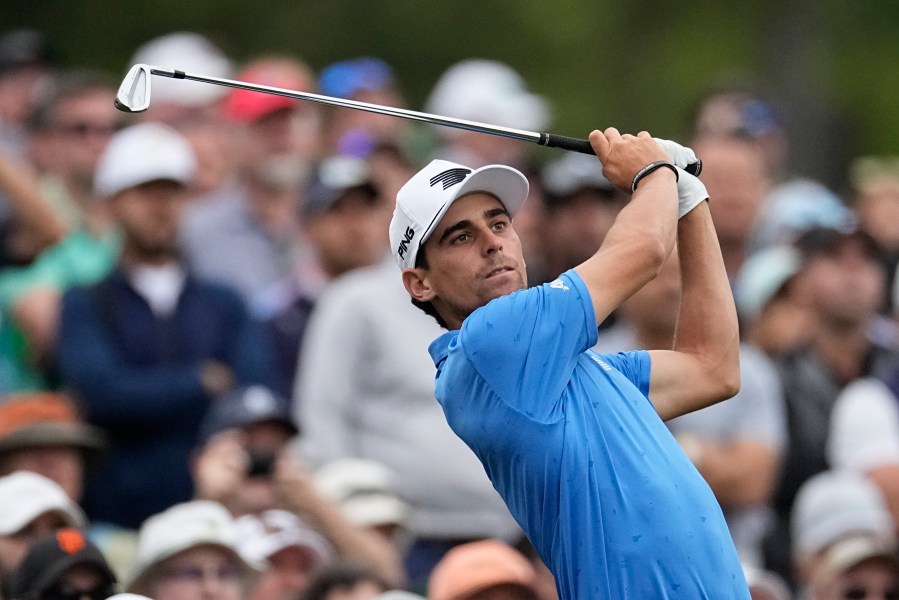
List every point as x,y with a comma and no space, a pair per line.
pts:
575,441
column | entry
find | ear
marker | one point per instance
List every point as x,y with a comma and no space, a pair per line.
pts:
418,285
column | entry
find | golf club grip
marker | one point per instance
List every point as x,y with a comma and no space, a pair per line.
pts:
552,140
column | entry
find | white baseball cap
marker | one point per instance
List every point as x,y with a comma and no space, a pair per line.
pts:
365,491
833,505
488,91
424,199
142,153
179,528
24,496
191,52
261,536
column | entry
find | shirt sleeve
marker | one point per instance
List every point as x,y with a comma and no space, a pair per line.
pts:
526,345
864,427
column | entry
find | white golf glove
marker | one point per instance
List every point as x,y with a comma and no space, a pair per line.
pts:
680,155
690,192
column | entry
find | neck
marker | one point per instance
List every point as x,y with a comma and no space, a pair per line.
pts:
134,257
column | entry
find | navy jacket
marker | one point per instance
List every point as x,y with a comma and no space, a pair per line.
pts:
138,377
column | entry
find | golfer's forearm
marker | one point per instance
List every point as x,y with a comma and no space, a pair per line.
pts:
707,321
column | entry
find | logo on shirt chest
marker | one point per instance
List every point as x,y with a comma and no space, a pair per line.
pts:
598,360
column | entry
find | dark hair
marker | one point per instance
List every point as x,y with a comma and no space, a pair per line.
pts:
421,262
341,576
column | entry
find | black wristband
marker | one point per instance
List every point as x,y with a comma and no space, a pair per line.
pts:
653,166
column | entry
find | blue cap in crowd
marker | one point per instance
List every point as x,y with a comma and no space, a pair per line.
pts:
347,78
243,407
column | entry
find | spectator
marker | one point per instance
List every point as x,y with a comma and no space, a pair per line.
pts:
246,234
483,570
189,552
25,59
342,204
63,564
734,172
30,506
345,580
355,132
148,348
377,403
244,466
191,107
840,523
874,182
241,436
580,206
72,126
737,445
841,288
42,433
864,437
490,92
290,550
772,316
365,490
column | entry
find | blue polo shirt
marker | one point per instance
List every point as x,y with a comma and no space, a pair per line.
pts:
572,443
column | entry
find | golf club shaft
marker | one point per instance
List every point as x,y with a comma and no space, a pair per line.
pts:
544,139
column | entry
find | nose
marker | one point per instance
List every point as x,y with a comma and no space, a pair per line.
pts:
492,242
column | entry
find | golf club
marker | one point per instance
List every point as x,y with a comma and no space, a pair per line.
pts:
134,96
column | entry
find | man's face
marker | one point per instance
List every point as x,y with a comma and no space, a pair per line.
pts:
845,286
280,146
79,133
736,178
200,573
149,215
62,464
474,256
14,546
352,233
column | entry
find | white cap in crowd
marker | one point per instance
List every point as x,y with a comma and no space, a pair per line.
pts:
490,92
142,153
25,496
852,551
424,199
762,276
190,52
364,489
262,536
179,528
834,505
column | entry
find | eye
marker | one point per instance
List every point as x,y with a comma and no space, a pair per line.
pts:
460,239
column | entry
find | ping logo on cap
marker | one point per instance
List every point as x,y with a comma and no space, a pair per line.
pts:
404,243
450,177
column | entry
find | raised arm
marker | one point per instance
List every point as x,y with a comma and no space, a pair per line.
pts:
704,366
644,231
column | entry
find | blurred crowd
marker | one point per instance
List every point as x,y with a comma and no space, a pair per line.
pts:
213,383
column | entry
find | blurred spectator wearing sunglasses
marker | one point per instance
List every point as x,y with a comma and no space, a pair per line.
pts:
63,565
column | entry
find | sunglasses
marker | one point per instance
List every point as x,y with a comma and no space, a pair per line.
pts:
197,574
860,593
67,592
85,129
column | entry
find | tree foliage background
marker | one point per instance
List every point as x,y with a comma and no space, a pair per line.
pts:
830,66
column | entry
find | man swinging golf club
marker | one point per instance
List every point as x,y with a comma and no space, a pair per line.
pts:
574,441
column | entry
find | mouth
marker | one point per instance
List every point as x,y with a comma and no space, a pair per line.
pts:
499,271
